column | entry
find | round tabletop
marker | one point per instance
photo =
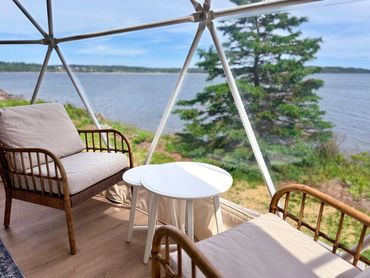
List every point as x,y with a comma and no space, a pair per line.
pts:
133,176
186,180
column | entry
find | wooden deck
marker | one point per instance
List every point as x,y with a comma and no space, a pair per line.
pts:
37,239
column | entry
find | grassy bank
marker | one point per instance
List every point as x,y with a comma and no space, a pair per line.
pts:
325,168
343,177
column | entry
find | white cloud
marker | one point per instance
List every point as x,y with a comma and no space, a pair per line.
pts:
13,22
336,46
344,27
107,50
335,11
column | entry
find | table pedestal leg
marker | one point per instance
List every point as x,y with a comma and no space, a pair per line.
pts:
150,200
190,218
173,213
151,228
182,215
218,214
132,213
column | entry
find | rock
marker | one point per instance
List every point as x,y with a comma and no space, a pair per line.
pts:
5,95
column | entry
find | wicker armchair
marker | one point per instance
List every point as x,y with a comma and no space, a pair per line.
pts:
50,175
210,257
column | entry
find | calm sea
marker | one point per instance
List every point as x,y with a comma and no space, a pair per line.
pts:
140,98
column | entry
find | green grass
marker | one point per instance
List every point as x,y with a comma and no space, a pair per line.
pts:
13,102
142,136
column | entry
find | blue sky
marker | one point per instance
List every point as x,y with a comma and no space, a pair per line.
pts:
344,26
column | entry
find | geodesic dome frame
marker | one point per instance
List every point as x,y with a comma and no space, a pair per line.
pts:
204,17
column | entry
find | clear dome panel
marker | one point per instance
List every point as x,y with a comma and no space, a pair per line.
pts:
14,25
103,15
78,17
135,73
137,93
311,122
163,47
19,68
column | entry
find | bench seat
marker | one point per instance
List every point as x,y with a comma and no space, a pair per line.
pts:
268,246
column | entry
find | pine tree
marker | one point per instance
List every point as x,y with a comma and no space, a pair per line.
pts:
268,57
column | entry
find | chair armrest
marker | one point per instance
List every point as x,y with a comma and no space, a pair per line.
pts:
17,175
106,140
324,200
169,234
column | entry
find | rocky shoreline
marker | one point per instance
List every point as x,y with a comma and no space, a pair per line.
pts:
5,95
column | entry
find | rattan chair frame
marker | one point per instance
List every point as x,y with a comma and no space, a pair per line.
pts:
103,140
161,260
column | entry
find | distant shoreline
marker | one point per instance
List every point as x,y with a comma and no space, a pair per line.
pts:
104,72
343,70
25,67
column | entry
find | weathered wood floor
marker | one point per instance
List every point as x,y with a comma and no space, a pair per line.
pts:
37,239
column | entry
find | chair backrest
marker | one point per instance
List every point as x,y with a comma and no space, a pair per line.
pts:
45,126
336,240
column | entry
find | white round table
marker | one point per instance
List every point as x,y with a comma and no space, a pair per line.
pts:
186,181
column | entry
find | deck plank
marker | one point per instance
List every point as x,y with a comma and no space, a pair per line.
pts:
38,241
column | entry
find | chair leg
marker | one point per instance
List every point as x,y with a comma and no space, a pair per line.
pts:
8,208
71,233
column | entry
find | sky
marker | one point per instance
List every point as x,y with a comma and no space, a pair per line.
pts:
342,24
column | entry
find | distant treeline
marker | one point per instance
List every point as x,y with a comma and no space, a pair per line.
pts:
343,70
25,67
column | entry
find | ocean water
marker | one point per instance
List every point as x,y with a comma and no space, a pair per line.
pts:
346,100
139,99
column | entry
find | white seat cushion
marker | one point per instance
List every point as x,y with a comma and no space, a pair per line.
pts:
268,246
83,170
46,126
364,274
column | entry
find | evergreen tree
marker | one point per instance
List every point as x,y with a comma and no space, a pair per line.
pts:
268,57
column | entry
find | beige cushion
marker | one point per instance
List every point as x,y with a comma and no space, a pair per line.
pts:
267,246
46,126
82,169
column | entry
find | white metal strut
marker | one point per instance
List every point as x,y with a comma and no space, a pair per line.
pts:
176,91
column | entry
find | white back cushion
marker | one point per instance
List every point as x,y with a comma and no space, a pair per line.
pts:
46,126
